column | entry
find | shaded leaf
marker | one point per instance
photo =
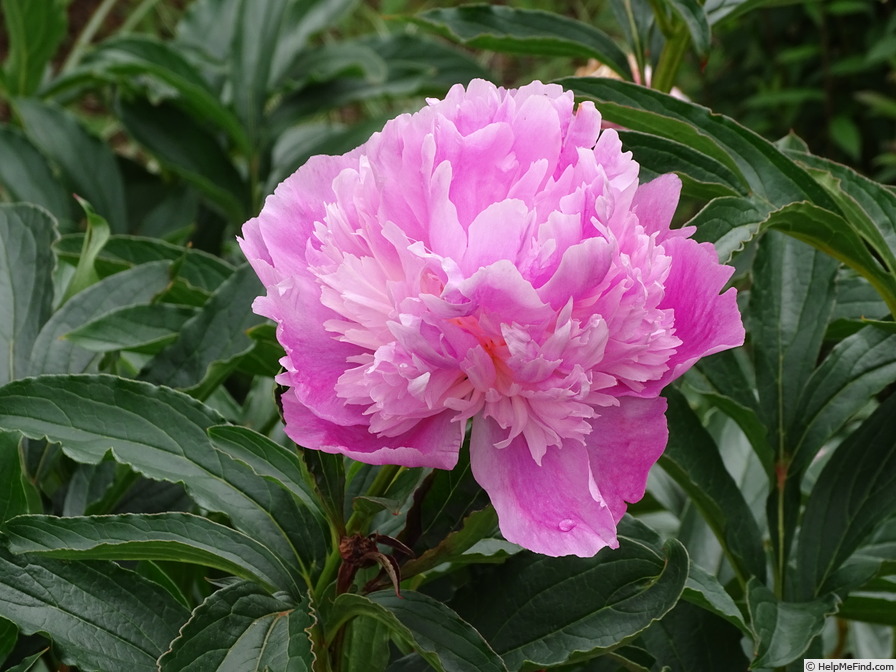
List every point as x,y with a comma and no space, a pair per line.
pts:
125,58
854,493
200,269
439,635
34,30
26,175
791,301
173,537
704,590
240,628
701,175
185,146
63,140
856,369
26,283
526,31
52,353
783,630
694,17
692,459
690,639
93,627
209,342
161,433
541,610
146,328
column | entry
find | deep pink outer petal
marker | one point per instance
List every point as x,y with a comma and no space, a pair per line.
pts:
706,321
433,442
548,509
654,203
624,443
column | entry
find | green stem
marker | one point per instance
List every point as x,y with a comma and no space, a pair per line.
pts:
356,524
380,486
670,59
86,37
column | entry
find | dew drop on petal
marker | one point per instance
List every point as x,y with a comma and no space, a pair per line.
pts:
566,525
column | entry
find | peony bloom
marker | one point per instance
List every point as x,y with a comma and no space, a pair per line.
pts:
491,258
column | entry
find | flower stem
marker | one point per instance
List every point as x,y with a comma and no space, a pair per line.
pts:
670,59
355,525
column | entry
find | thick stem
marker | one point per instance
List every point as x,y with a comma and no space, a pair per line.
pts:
670,59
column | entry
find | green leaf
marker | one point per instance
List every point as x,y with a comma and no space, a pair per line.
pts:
704,590
28,663
52,353
186,147
63,140
791,302
543,611
701,175
856,369
869,206
257,29
722,380
128,58
365,646
9,635
175,537
241,628
209,343
729,223
439,635
783,630
196,267
267,459
161,433
26,283
17,494
35,30
526,31
854,493
93,627
832,235
26,175
719,10
693,16
301,20
766,171
96,237
877,604
144,328
692,458
475,527
690,638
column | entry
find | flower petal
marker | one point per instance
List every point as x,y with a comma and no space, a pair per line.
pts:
554,508
433,442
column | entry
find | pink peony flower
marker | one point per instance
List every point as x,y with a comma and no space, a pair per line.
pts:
491,258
